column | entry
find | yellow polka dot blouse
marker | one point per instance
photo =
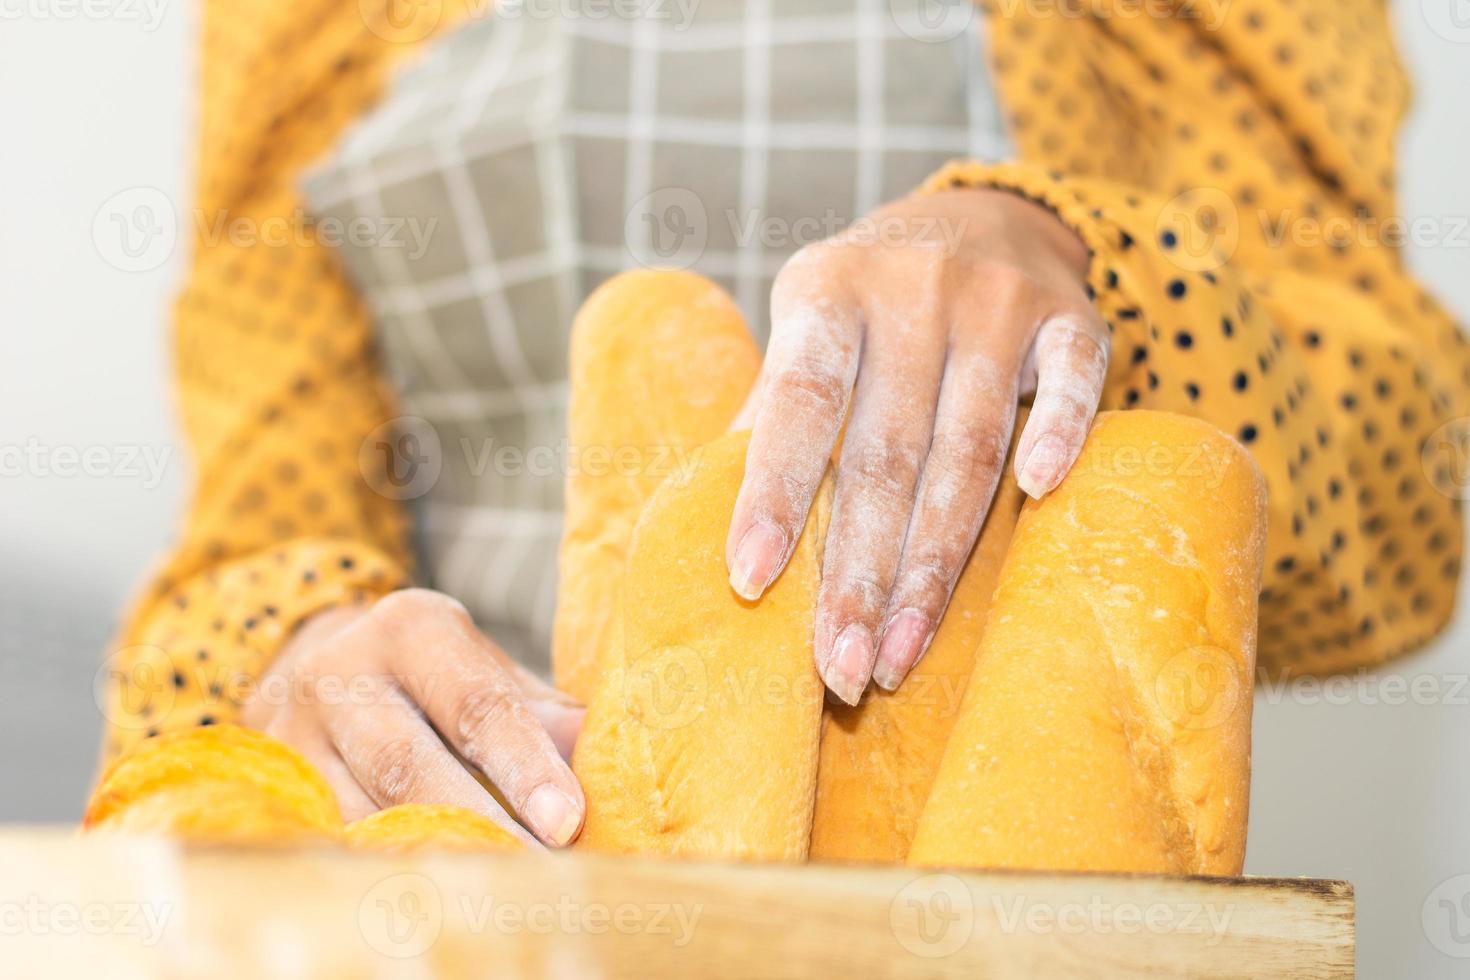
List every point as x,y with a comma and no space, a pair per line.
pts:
1229,166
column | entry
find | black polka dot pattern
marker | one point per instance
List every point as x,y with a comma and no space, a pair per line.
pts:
1236,264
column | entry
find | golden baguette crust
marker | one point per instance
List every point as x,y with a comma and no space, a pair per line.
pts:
1106,725
702,741
415,826
661,362
879,758
271,782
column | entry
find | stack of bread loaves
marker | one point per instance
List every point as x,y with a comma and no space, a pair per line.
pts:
1084,705
1093,715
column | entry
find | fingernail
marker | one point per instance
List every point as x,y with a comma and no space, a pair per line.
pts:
1042,469
852,658
903,643
553,815
756,558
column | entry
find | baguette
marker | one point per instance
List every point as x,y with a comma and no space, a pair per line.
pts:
660,363
879,758
1106,725
702,740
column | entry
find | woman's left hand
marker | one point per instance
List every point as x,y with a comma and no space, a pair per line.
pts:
932,316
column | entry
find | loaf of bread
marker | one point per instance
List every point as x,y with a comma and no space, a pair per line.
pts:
879,758
416,826
1106,725
702,739
219,783
661,362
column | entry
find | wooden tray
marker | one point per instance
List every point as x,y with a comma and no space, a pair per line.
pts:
115,908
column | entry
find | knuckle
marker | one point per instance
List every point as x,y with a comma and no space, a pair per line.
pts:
809,389
394,767
408,605
887,469
862,589
485,710
973,453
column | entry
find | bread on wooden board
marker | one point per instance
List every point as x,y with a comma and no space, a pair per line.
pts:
220,782
702,740
879,758
215,753
416,826
1106,725
661,361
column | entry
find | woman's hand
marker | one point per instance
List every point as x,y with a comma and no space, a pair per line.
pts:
933,316
382,699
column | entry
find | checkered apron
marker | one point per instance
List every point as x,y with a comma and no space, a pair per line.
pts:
531,154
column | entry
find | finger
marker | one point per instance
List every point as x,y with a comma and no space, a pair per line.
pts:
317,749
1070,357
805,382
886,443
558,712
972,431
395,756
478,707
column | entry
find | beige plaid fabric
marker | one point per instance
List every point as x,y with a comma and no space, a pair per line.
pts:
531,155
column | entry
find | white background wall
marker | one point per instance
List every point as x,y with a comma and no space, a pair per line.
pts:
93,106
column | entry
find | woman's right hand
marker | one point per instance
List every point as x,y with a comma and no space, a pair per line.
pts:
381,698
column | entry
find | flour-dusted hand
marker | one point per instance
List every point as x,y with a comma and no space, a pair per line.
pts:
382,699
931,317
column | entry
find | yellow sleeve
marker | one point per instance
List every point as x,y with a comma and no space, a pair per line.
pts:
1230,168
277,378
